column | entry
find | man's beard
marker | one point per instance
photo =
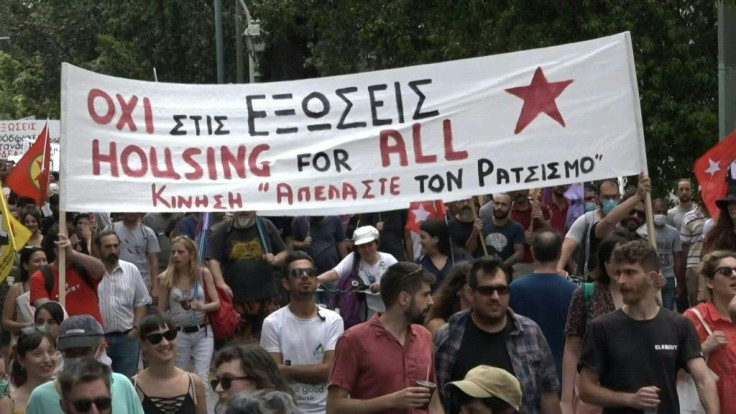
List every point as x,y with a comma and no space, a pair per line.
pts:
414,316
499,214
111,259
466,214
687,199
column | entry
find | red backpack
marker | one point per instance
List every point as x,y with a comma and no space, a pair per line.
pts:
225,321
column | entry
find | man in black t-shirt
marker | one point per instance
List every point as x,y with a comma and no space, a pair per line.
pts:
242,254
630,357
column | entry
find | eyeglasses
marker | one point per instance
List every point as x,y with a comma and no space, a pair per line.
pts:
725,271
410,274
155,339
300,271
227,382
83,406
488,290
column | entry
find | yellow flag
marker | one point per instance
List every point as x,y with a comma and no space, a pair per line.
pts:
13,236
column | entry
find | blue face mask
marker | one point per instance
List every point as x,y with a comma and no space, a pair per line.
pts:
608,205
3,387
590,206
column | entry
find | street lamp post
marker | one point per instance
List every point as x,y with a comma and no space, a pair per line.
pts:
254,43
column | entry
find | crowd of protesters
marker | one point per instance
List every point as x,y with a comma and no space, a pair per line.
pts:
549,301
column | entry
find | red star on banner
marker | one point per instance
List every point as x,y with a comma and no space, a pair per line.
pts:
539,97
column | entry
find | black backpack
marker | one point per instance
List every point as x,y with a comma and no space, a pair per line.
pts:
48,278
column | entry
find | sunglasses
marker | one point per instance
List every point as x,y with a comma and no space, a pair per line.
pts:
29,330
488,290
299,271
725,271
83,406
155,339
227,382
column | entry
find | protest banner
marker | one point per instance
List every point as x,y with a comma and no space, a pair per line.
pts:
17,136
372,141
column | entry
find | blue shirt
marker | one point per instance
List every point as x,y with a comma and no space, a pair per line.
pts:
545,299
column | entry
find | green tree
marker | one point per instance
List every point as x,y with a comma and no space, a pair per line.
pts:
675,48
124,38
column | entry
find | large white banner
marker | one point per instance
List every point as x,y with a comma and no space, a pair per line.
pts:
17,136
366,142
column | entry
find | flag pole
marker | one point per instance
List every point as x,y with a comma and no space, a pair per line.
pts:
475,217
62,261
642,150
642,143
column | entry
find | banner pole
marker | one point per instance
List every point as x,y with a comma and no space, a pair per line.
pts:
642,150
475,217
62,261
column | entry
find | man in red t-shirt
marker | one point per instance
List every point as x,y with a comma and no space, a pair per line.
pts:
81,289
533,217
558,206
386,365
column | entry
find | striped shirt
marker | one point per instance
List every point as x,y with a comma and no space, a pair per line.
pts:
120,292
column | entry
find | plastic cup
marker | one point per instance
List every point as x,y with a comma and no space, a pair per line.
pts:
431,386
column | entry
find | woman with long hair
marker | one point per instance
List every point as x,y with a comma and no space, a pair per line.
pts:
17,309
719,272
437,255
722,235
588,302
32,220
246,368
162,387
187,293
451,297
48,318
33,364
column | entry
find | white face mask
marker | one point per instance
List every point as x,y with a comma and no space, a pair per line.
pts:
660,219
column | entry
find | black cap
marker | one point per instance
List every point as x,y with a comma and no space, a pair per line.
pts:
79,331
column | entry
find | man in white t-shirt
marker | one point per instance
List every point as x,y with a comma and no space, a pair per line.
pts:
301,337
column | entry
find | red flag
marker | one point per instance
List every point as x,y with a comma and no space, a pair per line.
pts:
422,210
30,176
711,171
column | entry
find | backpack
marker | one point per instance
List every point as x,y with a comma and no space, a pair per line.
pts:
225,321
352,305
48,278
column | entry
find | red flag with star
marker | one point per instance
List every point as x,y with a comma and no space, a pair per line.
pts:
30,176
711,170
422,210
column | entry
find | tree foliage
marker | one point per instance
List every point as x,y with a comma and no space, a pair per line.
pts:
675,48
124,38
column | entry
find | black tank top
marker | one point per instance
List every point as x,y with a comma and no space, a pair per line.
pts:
181,404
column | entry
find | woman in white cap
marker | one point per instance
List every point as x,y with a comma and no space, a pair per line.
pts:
486,390
367,265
